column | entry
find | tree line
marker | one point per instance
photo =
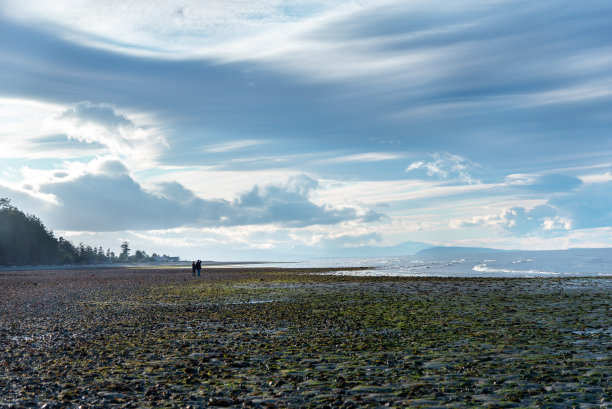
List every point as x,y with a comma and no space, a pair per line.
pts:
25,240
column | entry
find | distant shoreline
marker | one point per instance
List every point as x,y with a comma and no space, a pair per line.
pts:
177,264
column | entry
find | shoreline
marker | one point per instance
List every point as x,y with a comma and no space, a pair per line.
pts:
338,271
168,265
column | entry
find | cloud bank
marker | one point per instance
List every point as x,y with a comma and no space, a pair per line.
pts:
573,207
109,199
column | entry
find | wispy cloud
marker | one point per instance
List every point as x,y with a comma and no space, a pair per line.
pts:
549,183
102,124
597,178
600,89
22,128
34,129
170,28
232,146
363,157
446,166
407,191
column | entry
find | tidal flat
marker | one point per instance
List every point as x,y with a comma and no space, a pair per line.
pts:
264,337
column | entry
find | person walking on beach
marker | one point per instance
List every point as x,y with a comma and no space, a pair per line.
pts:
198,266
193,268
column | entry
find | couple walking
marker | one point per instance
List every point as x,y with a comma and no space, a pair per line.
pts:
196,266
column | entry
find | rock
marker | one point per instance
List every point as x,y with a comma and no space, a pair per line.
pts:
220,402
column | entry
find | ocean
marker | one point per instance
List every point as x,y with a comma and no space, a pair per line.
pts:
553,263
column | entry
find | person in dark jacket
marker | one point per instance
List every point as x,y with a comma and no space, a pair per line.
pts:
198,266
193,268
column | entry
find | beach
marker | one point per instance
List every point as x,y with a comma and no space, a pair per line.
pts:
280,337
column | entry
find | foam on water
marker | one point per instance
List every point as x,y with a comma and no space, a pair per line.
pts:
483,268
565,263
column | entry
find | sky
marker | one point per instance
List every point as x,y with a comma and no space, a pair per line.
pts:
235,130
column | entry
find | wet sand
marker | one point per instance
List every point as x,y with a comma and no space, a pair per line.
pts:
262,337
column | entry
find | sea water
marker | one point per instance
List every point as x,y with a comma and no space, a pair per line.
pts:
561,263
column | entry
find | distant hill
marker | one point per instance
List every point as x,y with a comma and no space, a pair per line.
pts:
404,249
456,250
407,248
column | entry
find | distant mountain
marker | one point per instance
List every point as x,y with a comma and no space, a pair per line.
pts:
404,249
456,250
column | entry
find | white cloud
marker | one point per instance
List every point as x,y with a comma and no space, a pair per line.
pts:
299,37
584,238
22,117
372,192
546,183
102,124
448,110
25,196
446,166
32,182
519,179
484,221
597,178
590,206
99,123
570,205
210,182
102,196
519,221
356,41
31,129
232,146
23,130
289,204
569,94
556,223
109,166
496,104
185,27
363,157
393,191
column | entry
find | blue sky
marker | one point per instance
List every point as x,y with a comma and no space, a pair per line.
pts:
271,129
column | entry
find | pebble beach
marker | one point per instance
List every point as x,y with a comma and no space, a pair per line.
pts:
273,337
